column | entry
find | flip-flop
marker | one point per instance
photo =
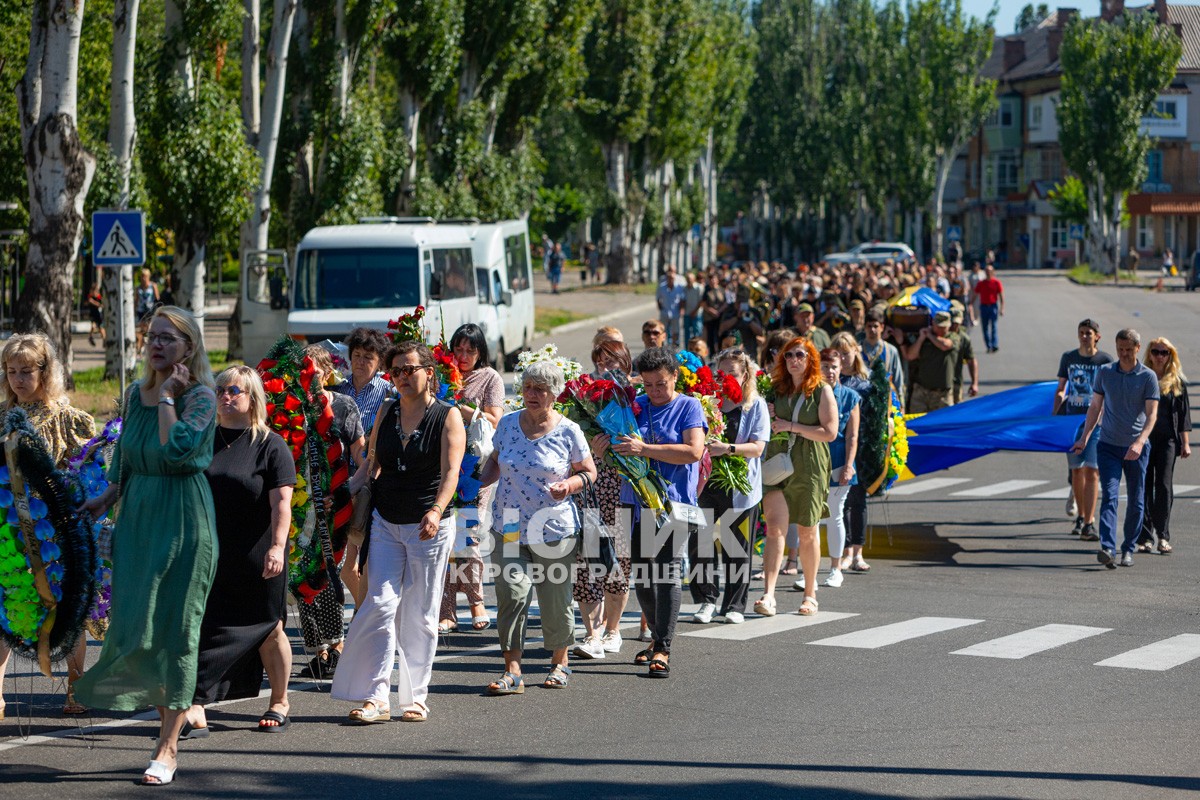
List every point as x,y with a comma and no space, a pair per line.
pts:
190,731
161,773
281,722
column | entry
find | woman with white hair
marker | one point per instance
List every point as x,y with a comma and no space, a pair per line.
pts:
251,475
164,547
540,459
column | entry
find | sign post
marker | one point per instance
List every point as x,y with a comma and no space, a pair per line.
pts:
1076,235
119,240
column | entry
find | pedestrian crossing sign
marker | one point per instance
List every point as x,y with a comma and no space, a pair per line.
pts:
118,238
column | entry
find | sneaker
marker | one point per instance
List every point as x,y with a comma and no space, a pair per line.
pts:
591,647
734,617
1127,560
835,578
799,585
1071,510
645,635
612,642
704,614
1089,534
1078,529
1106,558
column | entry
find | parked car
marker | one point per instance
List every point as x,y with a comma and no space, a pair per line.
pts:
872,253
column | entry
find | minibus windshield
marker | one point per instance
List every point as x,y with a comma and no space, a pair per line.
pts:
354,277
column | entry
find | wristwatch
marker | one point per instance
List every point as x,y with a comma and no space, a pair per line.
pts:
732,449
166,398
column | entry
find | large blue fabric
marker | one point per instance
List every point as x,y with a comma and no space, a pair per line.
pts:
1017,419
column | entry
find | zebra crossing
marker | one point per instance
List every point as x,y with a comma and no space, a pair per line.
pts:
1158,656
937,488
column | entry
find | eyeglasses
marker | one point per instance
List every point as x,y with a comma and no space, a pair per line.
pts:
232,391
405,370
795,355
164,339
653,332
1155,351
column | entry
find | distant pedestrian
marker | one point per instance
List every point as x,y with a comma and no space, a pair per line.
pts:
875,347
591,256
693,299
1168,441
94,303
1124,404
670,297
931,364
990,294
145,299
555,267
964,354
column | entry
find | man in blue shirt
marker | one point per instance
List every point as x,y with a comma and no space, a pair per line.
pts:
1124,404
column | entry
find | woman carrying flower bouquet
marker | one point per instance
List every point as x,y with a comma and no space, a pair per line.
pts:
747,430
483,389
419,445
602,600
540,459
806,411
671,431
33,382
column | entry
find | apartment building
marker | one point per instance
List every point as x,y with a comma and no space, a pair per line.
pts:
1015,161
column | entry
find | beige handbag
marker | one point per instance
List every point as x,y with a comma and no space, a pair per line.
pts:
778,468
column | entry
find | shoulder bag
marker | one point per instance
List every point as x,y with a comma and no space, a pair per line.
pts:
360,518
599,547
479,434
778,468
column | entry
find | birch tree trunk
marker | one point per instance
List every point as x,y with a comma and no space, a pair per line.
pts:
58,169
189,269
254,233
410,112
173,20
122,133
944,164
617,258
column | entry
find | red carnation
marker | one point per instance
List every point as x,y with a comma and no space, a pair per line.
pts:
274,385
266,364
298,421
291,403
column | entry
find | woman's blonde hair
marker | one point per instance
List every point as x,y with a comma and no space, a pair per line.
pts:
607,333
197,360
849,346
1173,379
750,373
38,350
322,360
248,380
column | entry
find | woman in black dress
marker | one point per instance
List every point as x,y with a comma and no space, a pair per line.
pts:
252,475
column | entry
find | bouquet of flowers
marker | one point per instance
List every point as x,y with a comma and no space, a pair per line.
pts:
766,390
571,368
411,328
729,472
609,402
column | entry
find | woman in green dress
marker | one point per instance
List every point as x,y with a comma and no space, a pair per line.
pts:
164,547
806,411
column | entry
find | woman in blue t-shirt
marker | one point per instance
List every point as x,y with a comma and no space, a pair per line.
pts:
671,428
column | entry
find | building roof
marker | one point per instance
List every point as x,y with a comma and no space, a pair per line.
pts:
1142,204
1036,39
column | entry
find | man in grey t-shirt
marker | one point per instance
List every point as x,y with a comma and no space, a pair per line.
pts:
1124,404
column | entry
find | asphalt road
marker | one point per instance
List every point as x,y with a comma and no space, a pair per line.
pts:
787,708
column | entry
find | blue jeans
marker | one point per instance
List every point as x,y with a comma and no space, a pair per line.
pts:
990,315
1112,465
692,328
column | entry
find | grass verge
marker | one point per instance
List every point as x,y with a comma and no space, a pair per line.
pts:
101,398
547,319
1084,274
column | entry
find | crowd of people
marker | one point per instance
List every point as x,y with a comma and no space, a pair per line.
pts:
199,550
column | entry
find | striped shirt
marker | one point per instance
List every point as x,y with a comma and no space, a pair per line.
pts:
368,399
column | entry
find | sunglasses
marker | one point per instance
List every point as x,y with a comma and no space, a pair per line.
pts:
405,370
1155,351
653,332
232,391
795,355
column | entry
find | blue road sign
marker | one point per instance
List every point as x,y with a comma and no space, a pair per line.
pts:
1076,230
118,238
954,233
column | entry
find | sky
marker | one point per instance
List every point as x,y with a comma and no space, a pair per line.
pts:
1010,9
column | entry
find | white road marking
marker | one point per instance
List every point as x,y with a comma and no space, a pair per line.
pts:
873,638
929,484
1035,640
765,626
992,490
1061,493
1184,488
1160,656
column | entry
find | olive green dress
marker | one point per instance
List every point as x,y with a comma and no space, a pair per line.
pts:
807,490
164,554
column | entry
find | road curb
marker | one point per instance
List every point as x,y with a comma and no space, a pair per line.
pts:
602,318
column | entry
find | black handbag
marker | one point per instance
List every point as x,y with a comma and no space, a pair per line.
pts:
599,547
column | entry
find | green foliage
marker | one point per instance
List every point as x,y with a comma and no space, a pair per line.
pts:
1031,15
199,169
1112,73
1069,199
352,185
620,54
557,210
